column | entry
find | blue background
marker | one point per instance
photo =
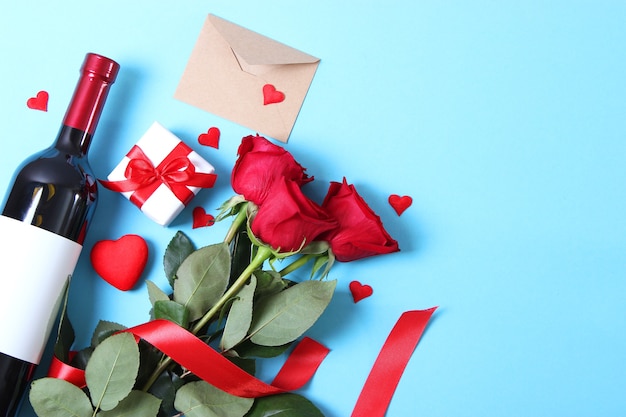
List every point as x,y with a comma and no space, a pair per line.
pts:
503,120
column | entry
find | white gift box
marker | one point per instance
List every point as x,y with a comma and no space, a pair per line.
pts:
161,175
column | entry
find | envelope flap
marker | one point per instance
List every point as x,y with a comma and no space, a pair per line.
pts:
257,49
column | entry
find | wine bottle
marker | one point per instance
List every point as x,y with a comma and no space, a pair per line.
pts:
44,219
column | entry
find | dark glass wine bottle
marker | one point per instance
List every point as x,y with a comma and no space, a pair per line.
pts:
44,219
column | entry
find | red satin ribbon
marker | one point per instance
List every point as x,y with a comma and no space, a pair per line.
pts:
384,377
175,171
61,370
212,367
199,358
206,363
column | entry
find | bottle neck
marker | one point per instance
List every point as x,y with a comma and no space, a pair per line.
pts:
73,141
87,103
83,113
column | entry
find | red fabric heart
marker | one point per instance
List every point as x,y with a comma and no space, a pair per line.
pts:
400,203
201,218
39,102
271,95
211,138
120,262
360,291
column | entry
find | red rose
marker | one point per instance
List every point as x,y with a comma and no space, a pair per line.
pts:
288,218
361,232
259,165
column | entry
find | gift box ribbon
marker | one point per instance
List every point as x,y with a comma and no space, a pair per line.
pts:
202,360
176,171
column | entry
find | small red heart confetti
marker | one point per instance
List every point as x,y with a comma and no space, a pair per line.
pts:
271,95
39,102
400,203
120,262
360,291
201,218
210,138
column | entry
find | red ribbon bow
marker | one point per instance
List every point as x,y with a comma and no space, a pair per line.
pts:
176,171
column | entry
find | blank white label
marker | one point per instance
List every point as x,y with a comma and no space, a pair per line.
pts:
35,265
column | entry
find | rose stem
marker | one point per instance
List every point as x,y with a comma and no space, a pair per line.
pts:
301,261
234,227
261,256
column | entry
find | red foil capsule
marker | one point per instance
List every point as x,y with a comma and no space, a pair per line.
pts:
97,74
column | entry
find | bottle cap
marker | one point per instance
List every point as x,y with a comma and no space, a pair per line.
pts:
102,66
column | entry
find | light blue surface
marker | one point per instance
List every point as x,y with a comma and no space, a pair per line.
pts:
505,121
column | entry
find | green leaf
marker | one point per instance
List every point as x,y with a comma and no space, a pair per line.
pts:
103,330
283,317
239,317
179,248
65,332
112,370
136,404
199,399
202,279
165,388
241,253
284,405
247,349
245,364
268,283
51,397
81,358
149,359
172,311
155,293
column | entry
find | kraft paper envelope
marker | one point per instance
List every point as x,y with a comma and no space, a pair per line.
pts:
228,69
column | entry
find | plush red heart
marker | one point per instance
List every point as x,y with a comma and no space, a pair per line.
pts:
271,95
210,138
201,218
120,262
39,102
360,291
400,203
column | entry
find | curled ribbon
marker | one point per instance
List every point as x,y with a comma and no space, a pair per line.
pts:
389,366
206,363
214,368
60,370
176,171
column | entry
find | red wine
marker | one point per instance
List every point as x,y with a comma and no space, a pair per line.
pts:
46,215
